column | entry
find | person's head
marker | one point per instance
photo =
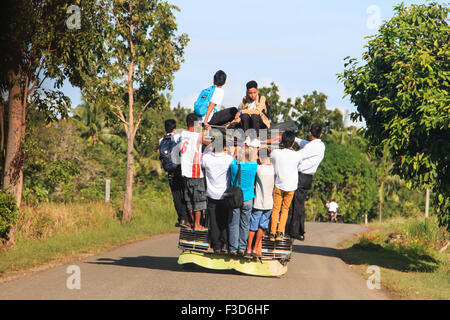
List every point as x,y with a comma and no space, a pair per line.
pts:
252,90
220,78
219,144
191,118
287,139
170,125
315,131
264,156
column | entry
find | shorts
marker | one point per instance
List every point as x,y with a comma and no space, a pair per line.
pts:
194,192
260,219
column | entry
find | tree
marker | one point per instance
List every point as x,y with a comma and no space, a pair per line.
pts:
401,91
346,175
312,109
138,57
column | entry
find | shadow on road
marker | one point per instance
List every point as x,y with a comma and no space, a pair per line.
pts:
159,263
322,251
407,260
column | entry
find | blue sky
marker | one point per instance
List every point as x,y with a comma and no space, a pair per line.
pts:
300,45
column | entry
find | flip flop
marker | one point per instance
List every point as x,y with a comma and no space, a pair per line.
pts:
201,229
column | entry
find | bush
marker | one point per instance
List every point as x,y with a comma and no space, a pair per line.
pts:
8,213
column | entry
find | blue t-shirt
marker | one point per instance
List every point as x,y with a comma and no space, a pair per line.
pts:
248,175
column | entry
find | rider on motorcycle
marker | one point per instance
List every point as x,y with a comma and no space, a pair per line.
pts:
333,208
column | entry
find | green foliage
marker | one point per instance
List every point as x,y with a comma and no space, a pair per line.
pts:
8,213
401,91
346,175
312,109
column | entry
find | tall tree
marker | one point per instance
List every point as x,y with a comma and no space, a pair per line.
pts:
139,55
36,45
401,90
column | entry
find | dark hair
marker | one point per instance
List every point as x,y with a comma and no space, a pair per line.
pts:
263,153
219,78
170,125
287,139
316,130
190,119
252,84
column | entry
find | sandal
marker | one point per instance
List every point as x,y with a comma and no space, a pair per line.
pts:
201,229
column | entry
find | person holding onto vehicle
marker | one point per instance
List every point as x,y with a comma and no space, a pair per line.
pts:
311,155
285,161
209,99
194,186
262,204
216,164
167,145
240,217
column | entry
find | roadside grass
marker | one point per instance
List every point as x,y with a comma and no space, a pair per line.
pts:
407,252
57,232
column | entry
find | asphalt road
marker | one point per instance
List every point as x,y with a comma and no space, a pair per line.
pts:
148,270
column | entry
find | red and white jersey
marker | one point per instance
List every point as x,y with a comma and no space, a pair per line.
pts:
191,155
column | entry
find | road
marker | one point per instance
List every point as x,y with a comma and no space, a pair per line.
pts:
148,270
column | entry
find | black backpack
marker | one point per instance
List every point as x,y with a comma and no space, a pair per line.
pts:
165,153
234,196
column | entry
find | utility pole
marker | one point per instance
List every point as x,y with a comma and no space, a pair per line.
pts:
108,190
427,202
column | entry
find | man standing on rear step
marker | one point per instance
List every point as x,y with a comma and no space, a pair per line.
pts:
312,153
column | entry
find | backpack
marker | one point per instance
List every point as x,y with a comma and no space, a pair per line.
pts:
203,101
165,153
233,196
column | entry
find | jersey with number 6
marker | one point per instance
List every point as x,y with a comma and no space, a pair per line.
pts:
190,155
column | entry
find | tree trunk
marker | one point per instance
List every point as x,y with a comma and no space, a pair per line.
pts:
427,202
13,167
128,201
380,201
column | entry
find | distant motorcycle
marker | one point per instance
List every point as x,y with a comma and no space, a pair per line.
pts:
334,216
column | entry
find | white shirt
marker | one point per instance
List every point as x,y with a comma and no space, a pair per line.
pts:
285,163
332,206
252,106
312,154
265,180
217,173
217,99
190,155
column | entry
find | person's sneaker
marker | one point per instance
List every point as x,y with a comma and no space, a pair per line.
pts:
272,237
233,252
279,236
301,238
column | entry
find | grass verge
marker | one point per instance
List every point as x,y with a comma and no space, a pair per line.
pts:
55,233
407,252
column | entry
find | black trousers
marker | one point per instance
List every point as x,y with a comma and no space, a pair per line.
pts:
252,121
219,214
176,187
223,116
297,214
